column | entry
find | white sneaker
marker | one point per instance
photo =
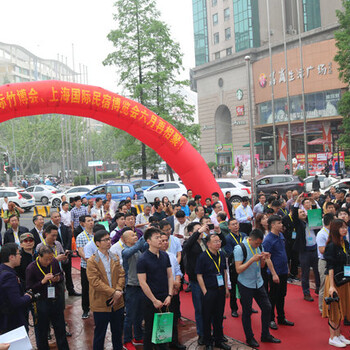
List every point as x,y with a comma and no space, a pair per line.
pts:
344,340
336,342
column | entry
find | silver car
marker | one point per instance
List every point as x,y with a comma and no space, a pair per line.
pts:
42,193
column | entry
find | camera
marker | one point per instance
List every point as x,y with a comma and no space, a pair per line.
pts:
333,298
211,226
68,253
35,296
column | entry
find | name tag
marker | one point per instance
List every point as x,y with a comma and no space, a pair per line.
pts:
310,239
347,271
294,235
220,279
51,293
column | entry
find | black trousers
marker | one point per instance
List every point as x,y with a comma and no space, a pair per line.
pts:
213,306
50,311
67,269
260,296
277,294
149,312
175,309
85,304
293,258
233,296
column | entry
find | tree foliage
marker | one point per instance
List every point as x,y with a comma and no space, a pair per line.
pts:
342,37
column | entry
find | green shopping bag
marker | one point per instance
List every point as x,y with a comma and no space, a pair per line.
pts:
162,331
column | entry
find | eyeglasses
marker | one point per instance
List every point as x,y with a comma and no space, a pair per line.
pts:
106,239
28,240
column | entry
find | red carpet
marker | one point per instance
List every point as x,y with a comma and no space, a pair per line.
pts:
76,263
309,332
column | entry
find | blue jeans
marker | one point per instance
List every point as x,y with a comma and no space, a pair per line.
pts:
197,297
134,314
115,318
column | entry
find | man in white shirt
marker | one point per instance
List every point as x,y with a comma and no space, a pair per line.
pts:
66,218
119,246
259,208
97,212
199,213
5,205
216,208
180,227
321,240
113,206
142,219
244,216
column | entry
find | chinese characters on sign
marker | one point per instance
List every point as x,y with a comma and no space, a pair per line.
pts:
292,75
123,107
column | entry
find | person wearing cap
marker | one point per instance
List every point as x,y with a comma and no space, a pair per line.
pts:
339,198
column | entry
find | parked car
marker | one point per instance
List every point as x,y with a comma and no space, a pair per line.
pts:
280,183
42,193
119,191
238,187
55,200
343,184
20,197
144,184
172,189
308,181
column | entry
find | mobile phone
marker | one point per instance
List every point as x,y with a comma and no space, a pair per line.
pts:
56,274
307,195
211,226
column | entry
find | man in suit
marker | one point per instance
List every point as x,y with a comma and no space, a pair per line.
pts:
14,232
65,238
38,230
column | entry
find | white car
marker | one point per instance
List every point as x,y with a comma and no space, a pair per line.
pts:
20,197
55,200
308,181
343,184
42,193
172,189
238,187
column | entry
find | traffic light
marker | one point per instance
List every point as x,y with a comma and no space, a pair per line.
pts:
6,163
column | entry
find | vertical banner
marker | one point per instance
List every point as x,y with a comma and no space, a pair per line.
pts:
282,144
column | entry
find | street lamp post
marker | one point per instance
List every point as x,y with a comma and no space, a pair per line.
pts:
93,158
251,130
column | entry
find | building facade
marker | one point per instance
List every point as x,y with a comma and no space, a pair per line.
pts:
226,31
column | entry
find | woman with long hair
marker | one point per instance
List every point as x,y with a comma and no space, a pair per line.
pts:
337,256
261,223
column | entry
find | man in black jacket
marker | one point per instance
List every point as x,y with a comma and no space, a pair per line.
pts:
192,248
13,234
65,238
38,230
305,245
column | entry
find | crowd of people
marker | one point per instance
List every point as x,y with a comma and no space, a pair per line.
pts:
135,265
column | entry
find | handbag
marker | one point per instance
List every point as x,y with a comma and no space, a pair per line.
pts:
162,331
340,279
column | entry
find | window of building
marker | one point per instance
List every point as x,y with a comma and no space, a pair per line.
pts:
227,33
312,14
217,55
200,26
214,2
216,38
227,14
247,26
215,19
229,51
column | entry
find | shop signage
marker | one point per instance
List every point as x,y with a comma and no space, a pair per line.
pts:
239,122
240,111
239,94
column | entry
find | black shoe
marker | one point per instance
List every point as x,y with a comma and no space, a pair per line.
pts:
252,343
222,346
308,297
85,315
273,325
317,291
68,334
177,346
254,311
234,314
270,339
73,293
224,339
346,322
285,322
209,347
200,341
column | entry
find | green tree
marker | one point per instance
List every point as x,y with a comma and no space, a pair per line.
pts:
342,37
148,61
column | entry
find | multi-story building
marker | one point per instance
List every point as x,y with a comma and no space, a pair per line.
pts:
225,32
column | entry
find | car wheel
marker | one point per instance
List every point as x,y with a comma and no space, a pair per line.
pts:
56,203
44,200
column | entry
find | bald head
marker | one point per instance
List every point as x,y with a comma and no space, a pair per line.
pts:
129,237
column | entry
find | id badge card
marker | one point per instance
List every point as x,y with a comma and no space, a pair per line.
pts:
220,279
294,235
310,239
51,293
347,271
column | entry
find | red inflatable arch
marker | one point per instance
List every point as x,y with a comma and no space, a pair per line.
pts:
46,97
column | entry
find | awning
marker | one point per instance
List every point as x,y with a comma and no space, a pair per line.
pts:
318,142
256,144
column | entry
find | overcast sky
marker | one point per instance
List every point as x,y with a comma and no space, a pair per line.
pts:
48,28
